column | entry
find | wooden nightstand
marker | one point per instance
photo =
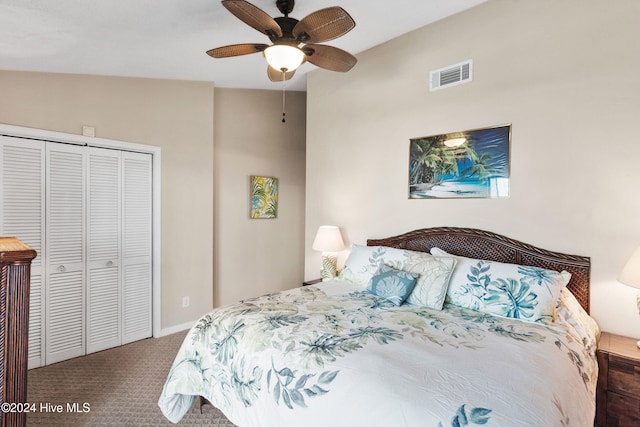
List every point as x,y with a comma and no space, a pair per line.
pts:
311,282
618,393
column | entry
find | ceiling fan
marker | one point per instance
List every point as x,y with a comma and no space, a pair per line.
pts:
293,41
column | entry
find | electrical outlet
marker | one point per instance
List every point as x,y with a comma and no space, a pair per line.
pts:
185,302
88,131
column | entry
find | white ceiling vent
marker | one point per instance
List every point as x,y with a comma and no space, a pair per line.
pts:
452,75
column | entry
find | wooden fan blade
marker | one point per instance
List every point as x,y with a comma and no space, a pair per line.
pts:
276,76
329,57
236,50
253,17
323,25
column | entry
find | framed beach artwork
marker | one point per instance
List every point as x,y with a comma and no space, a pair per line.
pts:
264,197
469,164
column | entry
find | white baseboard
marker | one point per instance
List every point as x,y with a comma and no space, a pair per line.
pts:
173,329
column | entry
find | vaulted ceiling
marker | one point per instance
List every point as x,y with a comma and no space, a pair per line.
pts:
168,38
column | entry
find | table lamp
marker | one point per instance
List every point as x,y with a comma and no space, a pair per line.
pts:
328,240
630,275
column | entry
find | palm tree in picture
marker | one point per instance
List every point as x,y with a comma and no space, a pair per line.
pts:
481,168
427,157
264,197
430,158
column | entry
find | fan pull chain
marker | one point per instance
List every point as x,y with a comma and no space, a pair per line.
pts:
284,87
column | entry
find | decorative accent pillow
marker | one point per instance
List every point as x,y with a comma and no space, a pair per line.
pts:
363,262
391,284
435,272
507,290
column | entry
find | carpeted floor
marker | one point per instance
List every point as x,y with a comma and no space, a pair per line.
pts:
119,387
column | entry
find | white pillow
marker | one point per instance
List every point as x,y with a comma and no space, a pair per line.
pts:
435,271
570,311
363,262
507,290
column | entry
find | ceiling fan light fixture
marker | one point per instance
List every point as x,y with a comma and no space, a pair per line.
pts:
284,57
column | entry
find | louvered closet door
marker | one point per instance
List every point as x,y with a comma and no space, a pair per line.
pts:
65,237
103,249
22,216
137,205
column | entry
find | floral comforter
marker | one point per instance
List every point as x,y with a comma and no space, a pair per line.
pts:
334,355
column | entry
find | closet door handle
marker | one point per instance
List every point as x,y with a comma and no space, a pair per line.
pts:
62,268
109,263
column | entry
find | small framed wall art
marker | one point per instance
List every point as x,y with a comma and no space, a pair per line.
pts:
469,164
264,197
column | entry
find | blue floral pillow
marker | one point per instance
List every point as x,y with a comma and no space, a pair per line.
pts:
507,290
394,285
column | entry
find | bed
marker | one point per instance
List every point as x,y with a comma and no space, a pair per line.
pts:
435,327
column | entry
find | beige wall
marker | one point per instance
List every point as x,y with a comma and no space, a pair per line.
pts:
176,116
251,257
563,73
258,256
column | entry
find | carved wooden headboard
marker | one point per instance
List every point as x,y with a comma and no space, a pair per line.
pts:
474,243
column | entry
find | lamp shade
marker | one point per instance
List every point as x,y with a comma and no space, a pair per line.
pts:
328,239
283,57
630,275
